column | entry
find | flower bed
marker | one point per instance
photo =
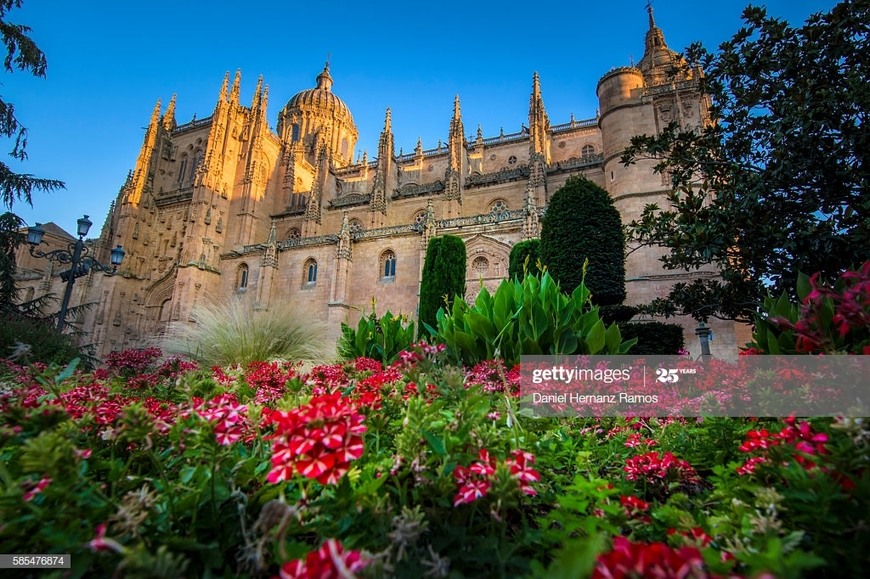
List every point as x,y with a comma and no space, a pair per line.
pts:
421,469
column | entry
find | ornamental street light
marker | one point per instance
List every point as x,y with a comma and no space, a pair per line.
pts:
76,255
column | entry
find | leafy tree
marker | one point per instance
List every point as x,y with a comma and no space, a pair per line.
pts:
529,249
779,183
21,54
581,223
443,277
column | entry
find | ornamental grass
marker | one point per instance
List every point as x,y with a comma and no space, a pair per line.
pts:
238,334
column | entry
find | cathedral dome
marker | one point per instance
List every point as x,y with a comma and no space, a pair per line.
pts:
318,114
320,100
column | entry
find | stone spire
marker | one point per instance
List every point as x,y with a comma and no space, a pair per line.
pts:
312,217
378,202
140,174
222,97
169,117
456,154
539,123
211,169
456,138
234,93
659,61
258,93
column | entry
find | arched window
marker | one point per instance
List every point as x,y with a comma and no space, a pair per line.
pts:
587,150
344,148
182,169
388,264
294,133
310,271
242,277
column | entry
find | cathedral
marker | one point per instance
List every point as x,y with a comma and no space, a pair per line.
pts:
225,207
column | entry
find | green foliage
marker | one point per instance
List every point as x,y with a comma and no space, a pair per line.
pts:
617,313
30,339
443,277
829,318
583,224
10,238
524,258
654,338
140,482
526,317
237,334
381,338
784,172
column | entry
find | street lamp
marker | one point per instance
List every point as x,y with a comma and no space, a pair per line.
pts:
76,255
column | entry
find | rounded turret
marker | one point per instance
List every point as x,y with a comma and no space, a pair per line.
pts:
623,114
620,86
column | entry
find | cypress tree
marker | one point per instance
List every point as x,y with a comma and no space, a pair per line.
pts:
529,248
581,223
443,275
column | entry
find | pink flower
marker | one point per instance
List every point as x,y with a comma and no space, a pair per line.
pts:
331,561
101,543
35,489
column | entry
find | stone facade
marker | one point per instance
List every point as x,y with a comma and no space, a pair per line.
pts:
225,208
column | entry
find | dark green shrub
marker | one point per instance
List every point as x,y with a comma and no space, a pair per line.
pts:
35,340
582,223
530,249
526,317
379,338
654,338
443,277
617,313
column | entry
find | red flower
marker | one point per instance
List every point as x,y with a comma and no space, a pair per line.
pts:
749,466
475,481
331,561
654,468
522,470
630,560
633,504
319,440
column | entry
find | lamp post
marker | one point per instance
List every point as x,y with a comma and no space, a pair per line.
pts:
704,333
76,255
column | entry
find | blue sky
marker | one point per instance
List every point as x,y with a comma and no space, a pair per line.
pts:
109,62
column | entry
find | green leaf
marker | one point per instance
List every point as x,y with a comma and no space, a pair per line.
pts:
803,286
595,340
436,443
